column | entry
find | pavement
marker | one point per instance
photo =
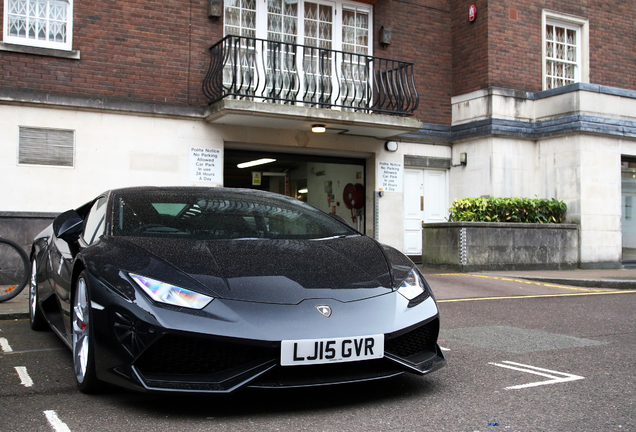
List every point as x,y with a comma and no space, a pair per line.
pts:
624,278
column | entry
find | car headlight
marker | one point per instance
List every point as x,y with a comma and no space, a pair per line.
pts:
170,294
414,288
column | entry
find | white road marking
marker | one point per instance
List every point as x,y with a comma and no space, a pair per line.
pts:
564,377
54,420
24,376
444,349
4,344
38,350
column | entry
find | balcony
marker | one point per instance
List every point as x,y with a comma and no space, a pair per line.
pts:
297,84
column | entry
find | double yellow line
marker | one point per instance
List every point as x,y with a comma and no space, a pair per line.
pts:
586,291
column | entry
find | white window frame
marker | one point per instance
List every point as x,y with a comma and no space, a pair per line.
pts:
338,5
261,32
16,40
581,25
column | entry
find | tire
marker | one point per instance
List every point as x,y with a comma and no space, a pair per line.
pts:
82,339
14,269
36,317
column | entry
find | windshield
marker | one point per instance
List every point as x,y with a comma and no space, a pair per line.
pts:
211,214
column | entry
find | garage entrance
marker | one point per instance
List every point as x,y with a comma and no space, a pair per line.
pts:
334,185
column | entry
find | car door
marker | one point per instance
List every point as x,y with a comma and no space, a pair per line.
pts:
64,255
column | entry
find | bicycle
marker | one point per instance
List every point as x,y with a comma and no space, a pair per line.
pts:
14,269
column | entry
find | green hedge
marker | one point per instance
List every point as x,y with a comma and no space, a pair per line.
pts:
526,210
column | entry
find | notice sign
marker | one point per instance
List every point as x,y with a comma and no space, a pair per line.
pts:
257,178
206,165
390,176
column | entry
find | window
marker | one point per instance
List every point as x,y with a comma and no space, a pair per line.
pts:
217,214
39,23
52,147
565,50
317,72
94,225
332,25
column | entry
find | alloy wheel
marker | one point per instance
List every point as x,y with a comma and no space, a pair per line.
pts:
81,330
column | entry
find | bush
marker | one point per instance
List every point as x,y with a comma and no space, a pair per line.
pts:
526,210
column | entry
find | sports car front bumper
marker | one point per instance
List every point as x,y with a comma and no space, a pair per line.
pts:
232,344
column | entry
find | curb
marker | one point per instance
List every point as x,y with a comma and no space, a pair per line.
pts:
588,283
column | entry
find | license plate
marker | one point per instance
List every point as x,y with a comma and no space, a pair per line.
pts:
317,351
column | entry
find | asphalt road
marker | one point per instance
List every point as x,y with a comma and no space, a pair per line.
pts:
521,357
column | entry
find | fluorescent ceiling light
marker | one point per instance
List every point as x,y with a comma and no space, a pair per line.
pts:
318,128
255,162
303,190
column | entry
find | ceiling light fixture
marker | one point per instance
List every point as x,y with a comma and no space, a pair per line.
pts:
318,128
303,191
255,162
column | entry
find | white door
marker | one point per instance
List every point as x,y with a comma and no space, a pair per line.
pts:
425,200
435,196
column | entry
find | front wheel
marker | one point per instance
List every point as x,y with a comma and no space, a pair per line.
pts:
36,318
83,344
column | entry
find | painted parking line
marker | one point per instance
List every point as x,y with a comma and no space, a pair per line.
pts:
535,296
55,422
25,379
4,345
523,282
37,350
555,377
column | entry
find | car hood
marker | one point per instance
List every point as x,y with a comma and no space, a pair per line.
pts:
271,270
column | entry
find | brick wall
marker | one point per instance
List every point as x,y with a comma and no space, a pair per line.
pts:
140,51
421,31
158,51
152,51
471,60
511,57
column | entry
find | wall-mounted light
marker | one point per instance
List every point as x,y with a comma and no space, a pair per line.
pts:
463,160
255,163
318,128
385,36
215,9
391,146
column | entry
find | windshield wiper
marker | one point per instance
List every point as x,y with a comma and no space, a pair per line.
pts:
335,237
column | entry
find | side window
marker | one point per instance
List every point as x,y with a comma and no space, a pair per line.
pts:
95,222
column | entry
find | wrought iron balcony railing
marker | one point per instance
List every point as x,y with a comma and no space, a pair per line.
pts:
286,73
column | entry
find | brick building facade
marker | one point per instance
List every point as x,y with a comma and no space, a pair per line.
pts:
540,96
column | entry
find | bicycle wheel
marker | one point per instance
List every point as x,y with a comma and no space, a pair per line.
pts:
14,269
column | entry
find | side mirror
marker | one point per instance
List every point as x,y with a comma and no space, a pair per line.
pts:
68,226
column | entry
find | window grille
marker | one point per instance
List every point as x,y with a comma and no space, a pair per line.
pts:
39,23
562,58
320,27
565,49
51,147
354,69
